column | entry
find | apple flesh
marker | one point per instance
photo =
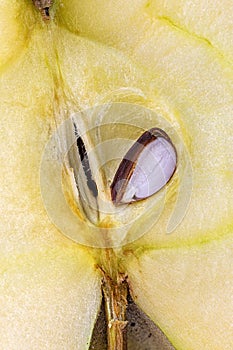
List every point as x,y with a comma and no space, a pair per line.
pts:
51,287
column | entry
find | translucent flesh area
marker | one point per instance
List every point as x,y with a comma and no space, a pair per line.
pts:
193,78
50,287
50,290
187,49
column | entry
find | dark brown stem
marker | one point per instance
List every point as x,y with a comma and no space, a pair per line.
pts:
115,298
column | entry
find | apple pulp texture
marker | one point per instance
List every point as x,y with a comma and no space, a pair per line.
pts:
182,281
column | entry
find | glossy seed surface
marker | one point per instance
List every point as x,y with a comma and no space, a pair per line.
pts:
146,168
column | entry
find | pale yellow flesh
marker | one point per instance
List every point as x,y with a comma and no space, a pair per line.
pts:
49,299
188,293
50,286
50,289
190,85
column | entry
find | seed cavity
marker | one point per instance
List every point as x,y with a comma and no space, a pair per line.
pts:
145,169
85,163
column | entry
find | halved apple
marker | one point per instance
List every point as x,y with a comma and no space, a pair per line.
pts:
153,64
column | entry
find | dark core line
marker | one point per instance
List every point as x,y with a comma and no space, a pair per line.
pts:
85,163
46,11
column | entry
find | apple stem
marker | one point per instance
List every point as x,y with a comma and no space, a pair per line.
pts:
115,299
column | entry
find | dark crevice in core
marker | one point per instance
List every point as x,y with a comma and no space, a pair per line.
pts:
46,11
85,163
